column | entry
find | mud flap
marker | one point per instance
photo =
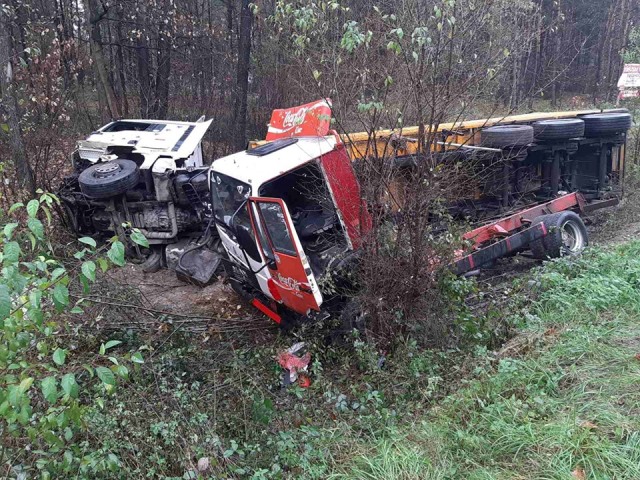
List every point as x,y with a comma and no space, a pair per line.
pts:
199,266
193,263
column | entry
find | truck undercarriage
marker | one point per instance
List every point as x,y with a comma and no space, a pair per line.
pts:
123,179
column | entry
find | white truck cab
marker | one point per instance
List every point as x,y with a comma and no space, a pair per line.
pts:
287,213
149,175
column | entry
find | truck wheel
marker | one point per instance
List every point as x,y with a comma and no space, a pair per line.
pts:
107,179
559,129
566,235
504,136
153,262
602,124
351,317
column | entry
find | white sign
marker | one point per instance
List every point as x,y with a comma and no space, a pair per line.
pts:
629,82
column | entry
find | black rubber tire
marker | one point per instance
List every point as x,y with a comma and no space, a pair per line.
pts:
603,124
153,262
504,136
552,245
558,129
107,179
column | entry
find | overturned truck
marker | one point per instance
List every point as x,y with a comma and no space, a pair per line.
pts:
148,175
287,213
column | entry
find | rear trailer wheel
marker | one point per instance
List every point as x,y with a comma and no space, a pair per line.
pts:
566,235
505,136
350,318
559,129
107,179
603,124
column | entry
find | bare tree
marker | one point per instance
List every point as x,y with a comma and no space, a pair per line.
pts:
242,75
10,105
163,71
95,13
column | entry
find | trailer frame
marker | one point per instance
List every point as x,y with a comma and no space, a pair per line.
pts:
516,231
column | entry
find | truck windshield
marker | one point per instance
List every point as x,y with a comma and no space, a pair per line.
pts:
228,196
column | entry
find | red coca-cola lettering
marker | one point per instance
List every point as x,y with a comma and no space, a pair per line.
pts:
309,120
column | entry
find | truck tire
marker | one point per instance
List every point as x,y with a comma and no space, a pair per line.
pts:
566,235
603,124
107,179
153,262
558,129
504,136
351,318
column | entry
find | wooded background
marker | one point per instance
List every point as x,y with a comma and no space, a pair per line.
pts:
72,65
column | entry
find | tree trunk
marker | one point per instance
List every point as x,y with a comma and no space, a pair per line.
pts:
143,63
621,39
602,47
63,35
10,106
94,15
120,64
164,67
242,76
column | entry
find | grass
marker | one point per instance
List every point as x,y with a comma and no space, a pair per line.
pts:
559,401
565,406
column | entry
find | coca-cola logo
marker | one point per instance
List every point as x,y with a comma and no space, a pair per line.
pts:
293,119
290,284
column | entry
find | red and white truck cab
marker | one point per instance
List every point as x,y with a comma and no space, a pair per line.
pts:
288,212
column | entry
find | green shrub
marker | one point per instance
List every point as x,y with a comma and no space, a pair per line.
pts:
46,387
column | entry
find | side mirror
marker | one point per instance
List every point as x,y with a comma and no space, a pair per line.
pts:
246,242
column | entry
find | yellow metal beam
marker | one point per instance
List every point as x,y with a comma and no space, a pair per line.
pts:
378,144
469,124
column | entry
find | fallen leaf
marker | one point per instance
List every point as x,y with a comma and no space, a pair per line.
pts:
204,464
579,474
589,425
637,356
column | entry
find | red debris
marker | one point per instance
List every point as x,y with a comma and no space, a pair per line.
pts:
304,381
292,363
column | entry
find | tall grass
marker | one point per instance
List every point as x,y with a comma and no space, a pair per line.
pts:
563,406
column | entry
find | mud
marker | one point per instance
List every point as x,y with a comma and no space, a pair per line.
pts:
615,225
165,292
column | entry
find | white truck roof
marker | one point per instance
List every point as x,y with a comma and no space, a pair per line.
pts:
151,137
248,167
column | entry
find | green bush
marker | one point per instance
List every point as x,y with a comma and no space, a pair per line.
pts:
46,387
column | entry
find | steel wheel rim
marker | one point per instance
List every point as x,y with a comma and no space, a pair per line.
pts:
106,170
572,238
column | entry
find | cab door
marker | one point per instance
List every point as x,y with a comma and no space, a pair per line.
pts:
292,282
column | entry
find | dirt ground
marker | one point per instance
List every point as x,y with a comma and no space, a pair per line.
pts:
615,225
165,292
